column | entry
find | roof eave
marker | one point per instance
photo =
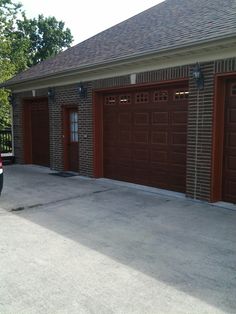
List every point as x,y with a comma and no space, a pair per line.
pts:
223,40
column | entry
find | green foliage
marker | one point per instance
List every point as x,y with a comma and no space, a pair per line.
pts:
25,42
12,51
12,54
5,110
46,35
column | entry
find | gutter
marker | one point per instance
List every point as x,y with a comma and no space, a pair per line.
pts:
125,59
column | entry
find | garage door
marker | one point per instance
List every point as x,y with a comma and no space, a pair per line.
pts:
144,136
229,164
39,126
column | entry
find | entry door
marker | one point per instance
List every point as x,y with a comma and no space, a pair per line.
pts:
229,165
36,142
72,140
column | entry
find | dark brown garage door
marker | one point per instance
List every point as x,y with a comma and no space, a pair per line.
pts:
145,137
37,131
229,165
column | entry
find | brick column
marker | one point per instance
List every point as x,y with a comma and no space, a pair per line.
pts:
86,133
199,144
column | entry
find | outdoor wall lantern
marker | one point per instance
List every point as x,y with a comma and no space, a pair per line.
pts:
198,76
51,93
12,99
82,91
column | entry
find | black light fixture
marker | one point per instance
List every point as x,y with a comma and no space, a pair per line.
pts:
198,76
51,93
82,91
11,99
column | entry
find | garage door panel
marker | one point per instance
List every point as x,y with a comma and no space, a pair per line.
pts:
111,130
124,172
109,166
141,118
160,118
159,180
231,115
158,156
140,137
124,118
230,188
110,127
141,154
178,179
178,184
110,172
118,172
177,149
109,153
123,162
141,172
179,117
110,138
178,138
231,140
125,136
177,158
231,164
124,156
177,172
110,120
158,137
150,139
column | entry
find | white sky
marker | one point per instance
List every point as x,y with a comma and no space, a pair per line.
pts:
87,17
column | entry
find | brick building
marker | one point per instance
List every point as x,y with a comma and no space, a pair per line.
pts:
151,100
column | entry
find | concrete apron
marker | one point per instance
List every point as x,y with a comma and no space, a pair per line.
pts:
29,187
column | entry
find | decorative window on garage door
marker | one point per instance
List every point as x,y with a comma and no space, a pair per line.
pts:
181,94
142,98
160,95
125,99
233,90
110,100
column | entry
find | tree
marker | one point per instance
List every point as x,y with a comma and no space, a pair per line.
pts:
12,53
46,35
25,42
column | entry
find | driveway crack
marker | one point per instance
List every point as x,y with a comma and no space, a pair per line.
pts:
21,208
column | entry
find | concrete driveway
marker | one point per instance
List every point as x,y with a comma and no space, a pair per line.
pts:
75,245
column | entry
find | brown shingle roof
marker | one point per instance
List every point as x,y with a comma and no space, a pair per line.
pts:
172,23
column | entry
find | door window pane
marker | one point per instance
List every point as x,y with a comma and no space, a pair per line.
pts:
73,127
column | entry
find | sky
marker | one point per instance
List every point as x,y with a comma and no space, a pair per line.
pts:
87,17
